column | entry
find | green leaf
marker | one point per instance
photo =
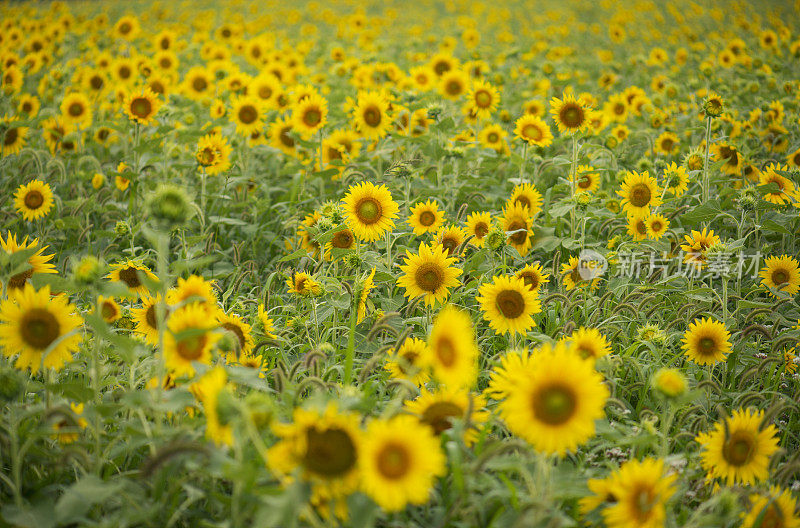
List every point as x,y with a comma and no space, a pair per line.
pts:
76,501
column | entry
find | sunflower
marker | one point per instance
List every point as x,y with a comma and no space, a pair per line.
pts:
210,389
127,27
342,239
406,362
526,195
738,449
641,490
240,330
437,409
732,158
603,490
483,98
793,159
696,246
198,84
130,273
76,110
555,404
508,304
400,460
580,273
267,324
533,276
29,104
213,153
341,145
303,285
478,226
450,238
366,287
325,446
13,136
33,200
67,429
533,130
493,137
429,273
706,341
657,225
616,108
639,193
453,84
776,510
452,352
38,262
517,223
142,106
109,309
370,210
426,217
569,113
40,327
586,179
146,320
248,114
422,78
371,115
189,338
786,191
589,343
307,235
667,143
195,290
781,274
12,79
676,180
309,115
637,227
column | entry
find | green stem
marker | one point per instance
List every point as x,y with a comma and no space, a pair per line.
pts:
573,176
351,342
706,190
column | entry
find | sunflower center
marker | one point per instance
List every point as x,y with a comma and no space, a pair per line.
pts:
39,328
166,63
571,115
343,239
438,415
191,348
265,92
141,107
312,117
493,137
150,316
427,218
481,230
772,518
330,453
554,404
34,200
644,501
75,109
429,277
511,303
199,84
19,280
410,358
393,461
780,276
108,311
641,228
237,331
640,195
656,226
453,87
739,449
483,99
206,156
707,346
368,210
248,114
96,82
446,352
532,132
450,244
584,181
619,109
125,28
286,139
667,144
530,279
520,237
372,116
130,277
523,200
441,67
11,136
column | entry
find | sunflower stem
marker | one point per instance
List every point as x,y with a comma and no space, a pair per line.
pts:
351,341
572,176
705,161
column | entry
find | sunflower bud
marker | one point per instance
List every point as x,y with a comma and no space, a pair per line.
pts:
260,408
88,271
226,407
228,343
353,260
324,224
169,206
670,382
713,106
122,228
496,238
611,142
10,384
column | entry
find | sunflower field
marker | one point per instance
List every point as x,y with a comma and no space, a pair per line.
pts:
446,263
